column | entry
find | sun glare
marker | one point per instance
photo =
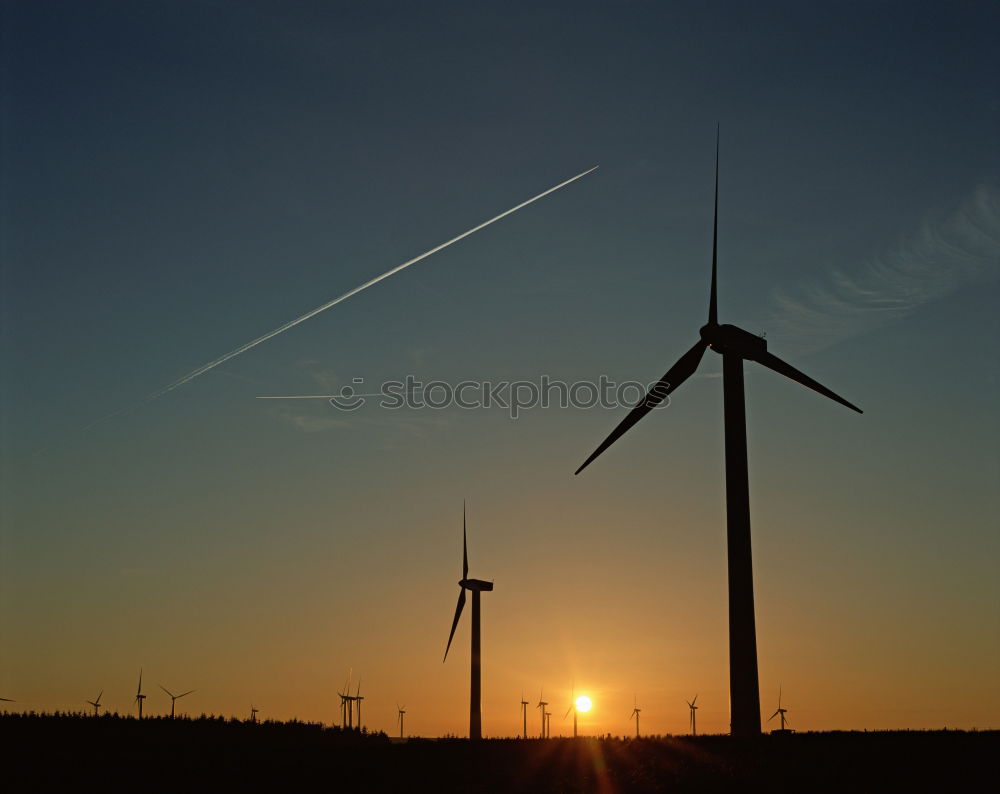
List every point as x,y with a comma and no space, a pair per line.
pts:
583,703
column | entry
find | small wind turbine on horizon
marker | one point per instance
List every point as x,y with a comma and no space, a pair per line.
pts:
735,346
524,716
572,707
96,703
357,699
693,708
139,697
541,705
477,586
346,702
780,711
635,713
401,713
174,698
253,713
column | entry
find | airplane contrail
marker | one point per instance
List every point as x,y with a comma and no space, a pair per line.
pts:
281,329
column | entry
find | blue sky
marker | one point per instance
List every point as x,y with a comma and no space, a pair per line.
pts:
181,178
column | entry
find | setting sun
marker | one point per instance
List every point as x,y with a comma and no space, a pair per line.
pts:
583,703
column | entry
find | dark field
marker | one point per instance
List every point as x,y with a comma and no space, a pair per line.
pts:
64,753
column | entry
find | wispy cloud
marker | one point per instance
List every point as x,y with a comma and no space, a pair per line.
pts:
940,257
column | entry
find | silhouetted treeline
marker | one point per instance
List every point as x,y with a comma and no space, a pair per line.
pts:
110,753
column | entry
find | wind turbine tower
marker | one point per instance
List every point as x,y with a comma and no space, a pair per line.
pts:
524,716
253,713
399,719
476,586
635,713
735,346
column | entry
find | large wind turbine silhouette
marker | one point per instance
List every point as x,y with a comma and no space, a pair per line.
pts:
139,697
694,721
734,345
96,703
174,698
476,586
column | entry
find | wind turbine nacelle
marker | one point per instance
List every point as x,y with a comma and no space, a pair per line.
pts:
730,339
476,584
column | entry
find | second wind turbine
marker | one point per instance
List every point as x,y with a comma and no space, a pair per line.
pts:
476,586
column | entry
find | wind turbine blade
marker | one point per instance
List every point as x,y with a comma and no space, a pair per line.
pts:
166,690
674,377
465,546
454,623
772,716
695,700
713,317
187,693
567,712
771,361
139,690
779,696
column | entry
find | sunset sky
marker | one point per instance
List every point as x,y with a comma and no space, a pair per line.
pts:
179,178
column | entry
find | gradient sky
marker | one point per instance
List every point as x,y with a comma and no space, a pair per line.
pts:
180,178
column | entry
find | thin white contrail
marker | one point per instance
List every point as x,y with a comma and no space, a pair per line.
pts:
244,348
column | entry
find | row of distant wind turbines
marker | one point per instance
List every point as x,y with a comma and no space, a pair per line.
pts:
140,697
735,345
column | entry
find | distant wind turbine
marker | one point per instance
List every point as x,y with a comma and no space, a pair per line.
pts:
253,712
139,697
174,698
524,715
541,705
96,703
780,711
346,713
735,346
357,699
635,713
399,718
476,586
291,324
693,708
572,707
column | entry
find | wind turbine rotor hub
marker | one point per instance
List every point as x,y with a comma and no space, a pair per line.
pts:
730,339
